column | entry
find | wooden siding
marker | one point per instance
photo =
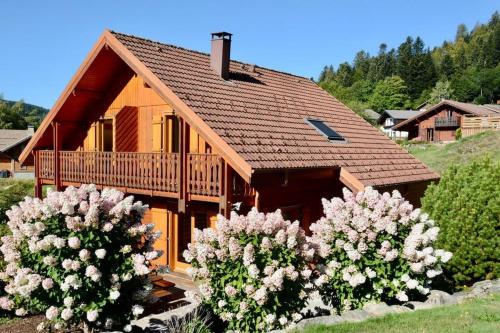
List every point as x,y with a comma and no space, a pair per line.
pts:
439,133
475,125
126,127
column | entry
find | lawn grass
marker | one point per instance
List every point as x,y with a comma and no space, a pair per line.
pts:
477,315
440,156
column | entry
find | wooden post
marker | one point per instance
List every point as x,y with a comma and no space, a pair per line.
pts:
182,174
222,195
38,184
228,191
56,140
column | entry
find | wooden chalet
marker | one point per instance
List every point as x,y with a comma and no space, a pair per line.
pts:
440,122
12,143
195,134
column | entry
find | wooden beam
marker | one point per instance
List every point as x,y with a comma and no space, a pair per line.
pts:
228,191
350,181
56,141
38,184
182,174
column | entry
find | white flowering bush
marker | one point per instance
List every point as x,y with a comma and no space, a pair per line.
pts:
252,270
79,256
374,247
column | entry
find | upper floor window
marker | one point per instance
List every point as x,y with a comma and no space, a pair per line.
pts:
389,122
324,129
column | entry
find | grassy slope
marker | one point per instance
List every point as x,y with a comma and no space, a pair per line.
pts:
440,156
479,315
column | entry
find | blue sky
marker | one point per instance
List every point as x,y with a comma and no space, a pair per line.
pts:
44,42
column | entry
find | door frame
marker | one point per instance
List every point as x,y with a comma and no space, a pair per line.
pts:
173,241
175,264
430,134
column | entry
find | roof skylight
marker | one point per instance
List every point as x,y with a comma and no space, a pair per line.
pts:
324,129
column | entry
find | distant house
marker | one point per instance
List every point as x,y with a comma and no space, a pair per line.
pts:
441,121
389,118
371,115
12,143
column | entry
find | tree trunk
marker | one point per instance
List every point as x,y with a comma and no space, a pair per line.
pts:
87,329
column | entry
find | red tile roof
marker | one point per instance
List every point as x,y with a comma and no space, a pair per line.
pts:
261,114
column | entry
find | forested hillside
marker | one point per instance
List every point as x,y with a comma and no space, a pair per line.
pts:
19,115
466,69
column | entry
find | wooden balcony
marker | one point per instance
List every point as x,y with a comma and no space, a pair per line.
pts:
446,122
143,173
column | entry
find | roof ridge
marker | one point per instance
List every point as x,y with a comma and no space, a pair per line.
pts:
206,54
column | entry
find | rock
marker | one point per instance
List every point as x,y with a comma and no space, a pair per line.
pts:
378,309
486,284
398,309
381,309
355,315
486,287
323,320
463,295
438,297
414,305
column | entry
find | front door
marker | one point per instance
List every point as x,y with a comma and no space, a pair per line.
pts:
430,134
182,234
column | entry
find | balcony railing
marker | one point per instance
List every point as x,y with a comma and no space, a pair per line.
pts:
204,172
136,172
446,122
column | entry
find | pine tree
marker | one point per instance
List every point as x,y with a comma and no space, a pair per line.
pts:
447,67
462,33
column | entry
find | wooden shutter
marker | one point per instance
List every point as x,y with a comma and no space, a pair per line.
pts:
90,142
158,134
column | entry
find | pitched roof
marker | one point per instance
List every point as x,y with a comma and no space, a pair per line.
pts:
257,119
10,138
261,114
371,114
402,114
473,109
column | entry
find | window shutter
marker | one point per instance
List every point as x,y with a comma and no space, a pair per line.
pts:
158,134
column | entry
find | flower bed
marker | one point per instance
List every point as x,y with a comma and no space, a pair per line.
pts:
79,256
254,271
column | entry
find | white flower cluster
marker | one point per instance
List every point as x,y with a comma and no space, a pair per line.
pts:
266,259
60,234
368,233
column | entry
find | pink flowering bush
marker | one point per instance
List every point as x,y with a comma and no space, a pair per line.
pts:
79,256
252,270
374,247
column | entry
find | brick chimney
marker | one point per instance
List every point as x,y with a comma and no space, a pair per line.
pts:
220,55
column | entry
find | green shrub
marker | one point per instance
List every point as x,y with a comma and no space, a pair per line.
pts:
374,247
251,270
458,134
81,256
466,206
11,192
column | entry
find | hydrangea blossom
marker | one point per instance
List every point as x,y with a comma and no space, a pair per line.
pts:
374,247
55,266
262,259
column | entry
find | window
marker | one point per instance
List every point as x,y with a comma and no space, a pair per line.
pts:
324,129
107,135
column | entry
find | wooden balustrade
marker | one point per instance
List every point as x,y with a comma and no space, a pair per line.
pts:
204,174
46,164
132,170
446,122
